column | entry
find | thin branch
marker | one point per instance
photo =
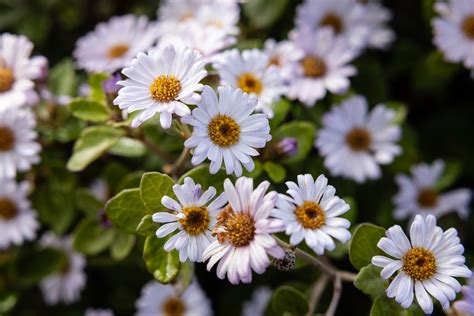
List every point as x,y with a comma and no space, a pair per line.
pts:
317,291
178,165
336,296
156,150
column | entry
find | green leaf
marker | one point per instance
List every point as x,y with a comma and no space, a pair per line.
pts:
162,264
433,72
202,176
88,203
275,171
370,282
257,171
147,227
62,78
263,13
364,244
122,245
92,143
90,238
39,263
304,134
126,210
280,111
400,109
452,170
95,84
153,187
92,111
287,299
384,306
128,147
7,301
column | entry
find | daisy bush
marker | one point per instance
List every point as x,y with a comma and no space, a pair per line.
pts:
225,157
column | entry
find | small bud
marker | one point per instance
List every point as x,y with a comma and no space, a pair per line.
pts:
104,220
287,262
110,85
288,147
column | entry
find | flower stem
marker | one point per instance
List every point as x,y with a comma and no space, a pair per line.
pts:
316,292
336,296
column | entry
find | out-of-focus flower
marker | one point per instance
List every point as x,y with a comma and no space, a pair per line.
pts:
18,149
362,25
311,211
354,141
192,216
243,230
454,31
252,72
17,220
427,264
113,44
225,130
287,147
159,299
282,55
162,81
324,66
258,303
418,194
110,85
98,312
66,285
466,305
17,70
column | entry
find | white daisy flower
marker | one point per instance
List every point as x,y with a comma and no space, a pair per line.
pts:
418,194
258,303
17,70
381,36
324,66
355,141
18,149
427,263
193,216
224,129
219,16
252,72
98,312
66,285
17,219
206,40
159,299
113,44
243,230
311,211
282,55
454,31
161,81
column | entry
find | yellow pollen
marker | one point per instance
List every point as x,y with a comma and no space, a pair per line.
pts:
419,264
173,306
223,131
334,21
8,209
249,83
238,228
313,66
427,198
6,79
196,221
117,51
165,88
7,139
310,215
468,26
358,139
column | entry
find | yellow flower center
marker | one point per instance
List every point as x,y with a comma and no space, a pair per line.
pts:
8,209
196,221
468,26
165,88
117,51
7,139
173,306
223,131
274,60
334,21
358,139
6,79
419,264
249,83
313,66
427,198
239,227
310,215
